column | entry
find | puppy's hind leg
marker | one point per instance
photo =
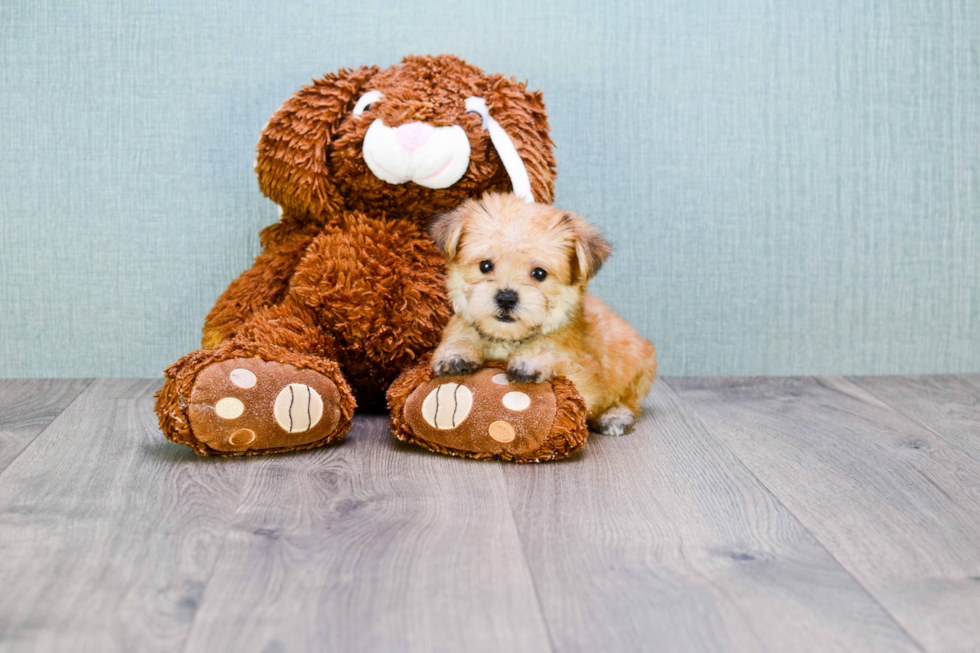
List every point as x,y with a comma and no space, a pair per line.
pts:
616,420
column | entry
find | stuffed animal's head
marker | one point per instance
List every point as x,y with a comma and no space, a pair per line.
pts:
414,139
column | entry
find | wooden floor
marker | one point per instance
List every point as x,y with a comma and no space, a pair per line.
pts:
804,514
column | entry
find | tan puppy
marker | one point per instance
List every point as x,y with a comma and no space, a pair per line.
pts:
517,276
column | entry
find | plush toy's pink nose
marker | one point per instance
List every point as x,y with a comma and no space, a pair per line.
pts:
413,135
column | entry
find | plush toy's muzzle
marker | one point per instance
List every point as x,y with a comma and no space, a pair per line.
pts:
435,157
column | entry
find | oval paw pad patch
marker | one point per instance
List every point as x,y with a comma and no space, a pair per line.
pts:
447,406
298,408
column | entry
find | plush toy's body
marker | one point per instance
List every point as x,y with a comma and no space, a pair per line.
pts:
349,291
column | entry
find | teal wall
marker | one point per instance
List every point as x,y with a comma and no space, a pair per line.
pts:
793,187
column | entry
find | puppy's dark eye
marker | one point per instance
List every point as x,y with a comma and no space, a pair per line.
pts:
539,274
486,266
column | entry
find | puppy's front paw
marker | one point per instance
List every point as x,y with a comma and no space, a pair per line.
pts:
454,365
526,371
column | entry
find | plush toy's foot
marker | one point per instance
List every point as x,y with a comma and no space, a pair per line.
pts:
250,406
483,415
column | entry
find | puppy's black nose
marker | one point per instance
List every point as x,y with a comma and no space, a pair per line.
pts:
506,299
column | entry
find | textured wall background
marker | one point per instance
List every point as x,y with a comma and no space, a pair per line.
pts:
793,187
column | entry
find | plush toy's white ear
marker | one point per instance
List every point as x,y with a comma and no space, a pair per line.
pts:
505,148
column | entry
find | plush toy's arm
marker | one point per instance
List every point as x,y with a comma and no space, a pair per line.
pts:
264,284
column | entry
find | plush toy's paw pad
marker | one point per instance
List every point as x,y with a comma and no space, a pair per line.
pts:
247,404
486,415
454,366
615,421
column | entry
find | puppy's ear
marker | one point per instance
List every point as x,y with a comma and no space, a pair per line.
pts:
446,229
591,249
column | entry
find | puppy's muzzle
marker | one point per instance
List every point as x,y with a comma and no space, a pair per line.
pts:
506,301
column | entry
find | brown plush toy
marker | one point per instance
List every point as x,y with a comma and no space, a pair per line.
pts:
349,290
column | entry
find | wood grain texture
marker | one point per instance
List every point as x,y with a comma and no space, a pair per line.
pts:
108,533
27,406
371,545
897,505
661,540
947,405
743,515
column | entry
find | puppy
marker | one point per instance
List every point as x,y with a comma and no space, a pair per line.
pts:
517,276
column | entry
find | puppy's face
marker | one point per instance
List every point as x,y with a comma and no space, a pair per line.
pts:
516,270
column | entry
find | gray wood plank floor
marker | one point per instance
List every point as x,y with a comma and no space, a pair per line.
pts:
27,406
742,515
371,546
666,542
897,505
949,406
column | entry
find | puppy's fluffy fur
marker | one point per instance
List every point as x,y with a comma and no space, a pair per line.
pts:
517,277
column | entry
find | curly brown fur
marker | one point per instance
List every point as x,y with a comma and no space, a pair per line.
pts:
353,283
310,154
265,284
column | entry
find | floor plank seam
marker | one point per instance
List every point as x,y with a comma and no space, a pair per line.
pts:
694,414
243,496
83,391
527,564
914,419
888,405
